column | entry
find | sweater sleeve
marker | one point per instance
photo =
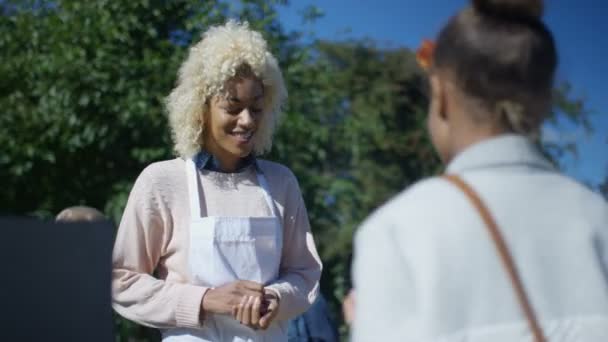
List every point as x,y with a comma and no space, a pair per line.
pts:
143,232
298,284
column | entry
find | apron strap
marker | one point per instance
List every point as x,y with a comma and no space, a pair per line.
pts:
275,211
193,187
195,203
266,189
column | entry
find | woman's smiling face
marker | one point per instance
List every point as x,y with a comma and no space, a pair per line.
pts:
232,121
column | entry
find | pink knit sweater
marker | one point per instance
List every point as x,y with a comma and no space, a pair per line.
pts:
151,281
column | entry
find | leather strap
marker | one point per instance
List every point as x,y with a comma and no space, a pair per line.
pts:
503,252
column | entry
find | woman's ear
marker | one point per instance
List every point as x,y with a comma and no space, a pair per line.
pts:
439,121
437,105
439,96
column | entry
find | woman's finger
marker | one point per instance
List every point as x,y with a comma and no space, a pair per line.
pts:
246,317
270,314
255,311
241,306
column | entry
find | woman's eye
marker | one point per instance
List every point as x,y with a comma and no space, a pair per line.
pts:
233,111
237,111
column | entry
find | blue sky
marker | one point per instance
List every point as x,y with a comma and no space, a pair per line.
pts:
580,29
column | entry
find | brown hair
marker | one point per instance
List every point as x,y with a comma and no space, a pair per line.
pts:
502,54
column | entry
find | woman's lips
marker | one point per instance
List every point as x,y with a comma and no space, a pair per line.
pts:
242,137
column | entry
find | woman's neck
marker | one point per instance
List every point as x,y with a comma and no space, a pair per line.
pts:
467,135
213,162
226,163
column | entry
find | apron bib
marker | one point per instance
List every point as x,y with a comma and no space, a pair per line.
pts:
226,249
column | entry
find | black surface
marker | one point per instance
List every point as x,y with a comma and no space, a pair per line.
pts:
55,281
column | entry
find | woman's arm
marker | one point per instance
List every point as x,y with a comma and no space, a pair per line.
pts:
300,270
137,295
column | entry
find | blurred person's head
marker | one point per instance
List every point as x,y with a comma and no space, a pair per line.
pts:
492,73
80,214
228,96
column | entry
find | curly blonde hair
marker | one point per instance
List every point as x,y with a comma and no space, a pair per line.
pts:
211,62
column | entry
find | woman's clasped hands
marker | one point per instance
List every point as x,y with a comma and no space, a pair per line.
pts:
247,301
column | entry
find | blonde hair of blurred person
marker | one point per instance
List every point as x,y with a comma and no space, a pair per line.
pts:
425,267
80,213
262,268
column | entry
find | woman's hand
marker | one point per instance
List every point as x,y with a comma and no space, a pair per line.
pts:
222,300
248,311
257,312
269,311
348,307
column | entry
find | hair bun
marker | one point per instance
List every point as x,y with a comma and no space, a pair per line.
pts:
529,9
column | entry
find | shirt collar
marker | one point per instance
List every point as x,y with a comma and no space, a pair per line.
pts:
206,161
504,150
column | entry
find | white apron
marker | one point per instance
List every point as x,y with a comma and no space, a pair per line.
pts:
226,249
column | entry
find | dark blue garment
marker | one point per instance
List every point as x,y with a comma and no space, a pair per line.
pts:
315,325
206,161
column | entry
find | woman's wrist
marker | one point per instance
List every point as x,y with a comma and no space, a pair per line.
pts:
206,303
272,294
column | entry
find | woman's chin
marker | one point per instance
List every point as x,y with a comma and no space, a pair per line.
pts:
242,151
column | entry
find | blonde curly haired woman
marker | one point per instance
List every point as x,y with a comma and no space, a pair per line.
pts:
215,245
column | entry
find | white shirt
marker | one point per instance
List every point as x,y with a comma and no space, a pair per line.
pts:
426,269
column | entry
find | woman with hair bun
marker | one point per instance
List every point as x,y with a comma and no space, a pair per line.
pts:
502,247
215,245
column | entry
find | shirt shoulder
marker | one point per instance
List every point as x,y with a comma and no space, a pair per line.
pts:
418,203
163,181
590,204
276,173
164,171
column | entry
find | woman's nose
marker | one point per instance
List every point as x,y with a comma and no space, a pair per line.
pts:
246,119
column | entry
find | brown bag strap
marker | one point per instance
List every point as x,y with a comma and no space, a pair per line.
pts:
503,252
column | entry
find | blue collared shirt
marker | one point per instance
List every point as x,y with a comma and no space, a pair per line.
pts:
206,161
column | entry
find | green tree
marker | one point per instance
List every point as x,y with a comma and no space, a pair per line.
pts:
354,137
82,89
